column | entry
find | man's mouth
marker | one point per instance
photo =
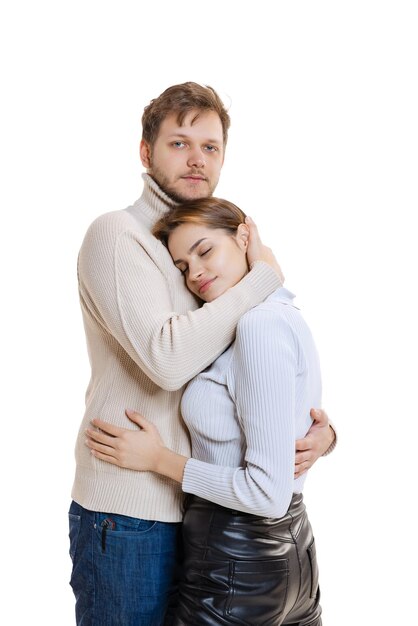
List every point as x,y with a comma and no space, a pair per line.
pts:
194,177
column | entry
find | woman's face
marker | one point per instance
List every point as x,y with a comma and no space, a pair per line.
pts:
211,259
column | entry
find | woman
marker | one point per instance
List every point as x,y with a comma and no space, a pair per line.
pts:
249,549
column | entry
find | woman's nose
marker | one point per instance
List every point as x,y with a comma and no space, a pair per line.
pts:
195,271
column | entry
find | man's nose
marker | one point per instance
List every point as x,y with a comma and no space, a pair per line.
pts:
196,158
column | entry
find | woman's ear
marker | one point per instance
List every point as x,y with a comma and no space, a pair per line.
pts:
145,153
243,235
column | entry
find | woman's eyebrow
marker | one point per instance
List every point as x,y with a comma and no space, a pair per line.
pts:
193,247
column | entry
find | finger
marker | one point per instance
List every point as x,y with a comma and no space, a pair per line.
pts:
99,447
104,457
302,457
319,416
110,429
303,444
307,462
301,469
137,418
100,437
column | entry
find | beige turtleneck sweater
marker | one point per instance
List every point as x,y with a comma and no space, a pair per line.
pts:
146,338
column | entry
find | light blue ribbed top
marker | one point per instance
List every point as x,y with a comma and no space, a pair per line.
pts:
246,410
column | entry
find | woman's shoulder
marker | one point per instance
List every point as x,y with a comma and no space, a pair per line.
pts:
274,310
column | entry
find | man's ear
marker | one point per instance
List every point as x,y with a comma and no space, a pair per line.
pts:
243,235
145,153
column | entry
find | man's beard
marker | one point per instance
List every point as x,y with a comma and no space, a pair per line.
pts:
165,185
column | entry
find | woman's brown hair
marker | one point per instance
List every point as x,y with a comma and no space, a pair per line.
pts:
211,212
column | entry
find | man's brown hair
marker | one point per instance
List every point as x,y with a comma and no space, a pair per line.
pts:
182,99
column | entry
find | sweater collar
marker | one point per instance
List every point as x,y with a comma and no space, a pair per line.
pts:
154,202
282,295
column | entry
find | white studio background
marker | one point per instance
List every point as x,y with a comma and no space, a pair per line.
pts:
322,153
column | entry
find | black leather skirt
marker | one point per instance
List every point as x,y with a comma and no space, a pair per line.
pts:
246,569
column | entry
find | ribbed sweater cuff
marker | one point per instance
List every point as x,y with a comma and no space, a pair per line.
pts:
198,479
262,280
334,443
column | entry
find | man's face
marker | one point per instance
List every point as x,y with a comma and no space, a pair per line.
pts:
186,160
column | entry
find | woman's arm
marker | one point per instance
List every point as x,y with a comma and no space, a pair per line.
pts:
264,372
144,450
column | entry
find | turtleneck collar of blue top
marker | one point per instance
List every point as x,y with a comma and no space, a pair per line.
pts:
282,295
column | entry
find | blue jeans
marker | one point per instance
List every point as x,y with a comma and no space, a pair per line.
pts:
124,569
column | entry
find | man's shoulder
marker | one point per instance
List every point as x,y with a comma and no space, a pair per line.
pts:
108,227
114,220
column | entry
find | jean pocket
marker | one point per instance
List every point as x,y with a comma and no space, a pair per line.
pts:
74,522
314,569
258,590
122,524
121,528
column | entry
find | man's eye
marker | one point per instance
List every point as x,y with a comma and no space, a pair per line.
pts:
210,148
178,144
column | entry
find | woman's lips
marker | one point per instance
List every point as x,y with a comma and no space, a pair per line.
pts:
205,286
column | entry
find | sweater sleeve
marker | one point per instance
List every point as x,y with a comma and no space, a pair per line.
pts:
262,378
127,294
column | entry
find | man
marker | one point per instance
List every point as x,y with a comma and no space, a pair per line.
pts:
147,337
